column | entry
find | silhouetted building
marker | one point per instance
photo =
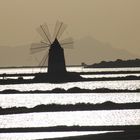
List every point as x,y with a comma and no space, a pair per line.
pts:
56,60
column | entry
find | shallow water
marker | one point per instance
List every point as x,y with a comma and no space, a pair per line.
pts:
42,135
72,118
82,118
32,100
81,69
125,85
108,75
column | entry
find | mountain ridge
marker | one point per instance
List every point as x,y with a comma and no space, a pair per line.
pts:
87,49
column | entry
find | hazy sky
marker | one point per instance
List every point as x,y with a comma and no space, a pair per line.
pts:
113,21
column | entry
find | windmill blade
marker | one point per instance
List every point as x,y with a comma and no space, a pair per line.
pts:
57,26
44,60
43,34
37,51
67,40
67,43
37,47
59,29
46,30
63,28
44,43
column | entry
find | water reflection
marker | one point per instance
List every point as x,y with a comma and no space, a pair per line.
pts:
42,135
72,118
108,75
130,85
32,100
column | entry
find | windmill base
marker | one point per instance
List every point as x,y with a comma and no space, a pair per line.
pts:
58,77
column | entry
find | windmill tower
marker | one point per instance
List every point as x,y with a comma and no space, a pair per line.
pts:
56,61
55,56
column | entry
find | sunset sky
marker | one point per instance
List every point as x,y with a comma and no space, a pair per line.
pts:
114,21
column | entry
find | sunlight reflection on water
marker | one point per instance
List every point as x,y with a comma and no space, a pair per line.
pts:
31,100
108,75
41,135
81,118
131,85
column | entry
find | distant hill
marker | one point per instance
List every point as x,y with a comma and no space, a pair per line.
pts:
118,63
88,50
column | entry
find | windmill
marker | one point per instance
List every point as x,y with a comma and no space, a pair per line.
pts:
54,57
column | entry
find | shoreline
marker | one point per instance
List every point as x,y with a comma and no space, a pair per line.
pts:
126,135
131,132
71,91
57,81
71,128
70,107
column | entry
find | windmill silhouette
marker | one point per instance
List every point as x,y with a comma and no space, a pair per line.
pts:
55,57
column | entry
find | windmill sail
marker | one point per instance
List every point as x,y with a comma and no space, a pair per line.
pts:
67,43
55,57
59,29
43,34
